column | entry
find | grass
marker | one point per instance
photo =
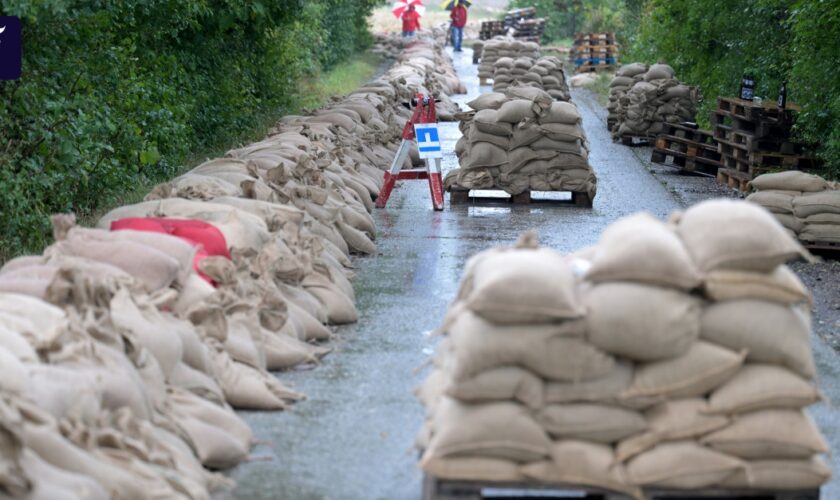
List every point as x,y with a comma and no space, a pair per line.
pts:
315,91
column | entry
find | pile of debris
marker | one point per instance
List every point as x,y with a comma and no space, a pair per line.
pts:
670,356
125,348
522,140
642,102
805,204
545,73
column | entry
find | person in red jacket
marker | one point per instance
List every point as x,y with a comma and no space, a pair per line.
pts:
459,20
411,22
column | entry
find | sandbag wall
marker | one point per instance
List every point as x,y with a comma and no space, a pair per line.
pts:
545,73
504,47
522,140
124,349
668,356
643,99
805,204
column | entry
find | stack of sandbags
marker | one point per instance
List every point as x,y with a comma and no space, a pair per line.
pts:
504,47
523,140
626,76
679,359
125,349
650,103
805,204
545,73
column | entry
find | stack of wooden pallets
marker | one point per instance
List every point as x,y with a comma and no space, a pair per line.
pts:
687,148
529,30
594,52
755,138
516,15
490,29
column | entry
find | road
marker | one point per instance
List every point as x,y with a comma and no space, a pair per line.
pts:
353,437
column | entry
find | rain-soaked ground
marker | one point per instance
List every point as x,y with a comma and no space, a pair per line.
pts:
352,439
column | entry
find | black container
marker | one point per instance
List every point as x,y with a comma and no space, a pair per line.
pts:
747,88
782,102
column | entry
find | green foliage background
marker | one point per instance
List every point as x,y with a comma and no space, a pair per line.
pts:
117,94
713,43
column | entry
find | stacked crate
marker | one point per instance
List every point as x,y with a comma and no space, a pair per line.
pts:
687,148
529,30
516,15
491,29
755,138
595,52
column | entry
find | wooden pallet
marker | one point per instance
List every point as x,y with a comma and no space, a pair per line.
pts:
687,154
739,157
735,179
750,110
484,81
588,68
461,196
437,489
823,248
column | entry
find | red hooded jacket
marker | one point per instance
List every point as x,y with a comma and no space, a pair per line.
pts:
459,16
411,21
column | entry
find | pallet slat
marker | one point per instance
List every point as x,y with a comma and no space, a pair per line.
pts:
461,196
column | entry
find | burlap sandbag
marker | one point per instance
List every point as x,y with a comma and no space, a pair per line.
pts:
632,69
758,387
769,434
484,154
681,465
671,421
770,332
782,285
551,351
489,100
508,383
471,469
641,322
781,475
825,233
561,112
582,463
774,201
504,431
476,135
791,180
487,121
590,422
641,248
601,390
516,111
524,286
726,234
703,368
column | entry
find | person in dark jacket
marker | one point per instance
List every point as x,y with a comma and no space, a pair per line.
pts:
410,22
459,20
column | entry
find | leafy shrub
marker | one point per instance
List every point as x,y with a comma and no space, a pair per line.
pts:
116,94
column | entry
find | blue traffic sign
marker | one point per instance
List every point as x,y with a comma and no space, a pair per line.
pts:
428,140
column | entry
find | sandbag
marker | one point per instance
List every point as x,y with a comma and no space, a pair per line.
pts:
641,322
769,332
602,389
790,180
523,286
759,386
590,422
641,248
769,434
681,465
703,368
494,430
499,384
781,285
713,232
781,475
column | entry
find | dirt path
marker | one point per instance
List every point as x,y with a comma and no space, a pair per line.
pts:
353,438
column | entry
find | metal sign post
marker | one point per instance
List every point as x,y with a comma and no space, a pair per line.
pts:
422,127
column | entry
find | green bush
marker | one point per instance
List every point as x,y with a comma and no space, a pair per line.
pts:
117,94
713,43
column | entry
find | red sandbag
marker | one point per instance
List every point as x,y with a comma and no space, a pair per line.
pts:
195,231
205,236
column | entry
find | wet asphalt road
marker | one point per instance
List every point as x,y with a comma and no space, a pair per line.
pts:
352,439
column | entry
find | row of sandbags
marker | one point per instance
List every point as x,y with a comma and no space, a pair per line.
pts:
498,47
671,355
522,140
805,204
125,349
545,73
643,99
